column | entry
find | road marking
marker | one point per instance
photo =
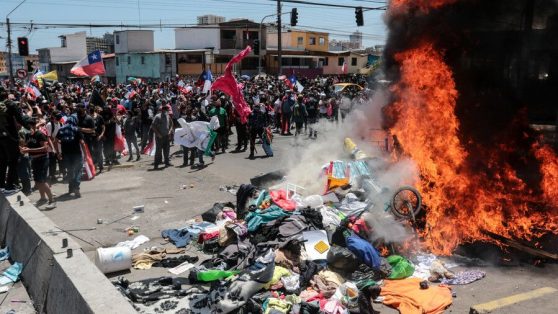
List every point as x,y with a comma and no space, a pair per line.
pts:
499,303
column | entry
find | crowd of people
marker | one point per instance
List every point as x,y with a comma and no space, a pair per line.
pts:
44,133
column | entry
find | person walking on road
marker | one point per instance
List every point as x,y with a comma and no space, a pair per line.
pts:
71,142
162,127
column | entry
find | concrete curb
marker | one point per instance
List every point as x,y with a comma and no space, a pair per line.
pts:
55,283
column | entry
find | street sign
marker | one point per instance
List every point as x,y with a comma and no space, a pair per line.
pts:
21,73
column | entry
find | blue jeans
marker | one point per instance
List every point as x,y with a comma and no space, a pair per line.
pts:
74,166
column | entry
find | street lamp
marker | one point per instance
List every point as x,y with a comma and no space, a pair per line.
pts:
10,44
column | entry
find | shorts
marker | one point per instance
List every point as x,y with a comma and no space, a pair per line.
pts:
40,168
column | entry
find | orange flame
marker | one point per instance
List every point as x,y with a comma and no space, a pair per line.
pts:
462,202
402,6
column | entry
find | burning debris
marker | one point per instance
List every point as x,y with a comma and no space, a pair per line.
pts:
475,179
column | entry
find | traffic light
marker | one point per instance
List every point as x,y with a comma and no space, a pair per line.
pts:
359,17
29,66
256,47
294,17
23,46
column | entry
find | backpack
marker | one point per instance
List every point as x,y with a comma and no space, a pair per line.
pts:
66,134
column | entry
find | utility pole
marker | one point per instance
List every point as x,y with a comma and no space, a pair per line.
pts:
10,66
279,46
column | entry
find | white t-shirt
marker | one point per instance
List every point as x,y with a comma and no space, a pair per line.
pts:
52,132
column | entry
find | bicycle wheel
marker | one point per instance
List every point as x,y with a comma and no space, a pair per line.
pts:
406,202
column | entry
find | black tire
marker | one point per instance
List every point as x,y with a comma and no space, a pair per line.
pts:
406,202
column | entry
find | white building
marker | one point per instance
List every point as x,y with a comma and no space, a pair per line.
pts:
72,48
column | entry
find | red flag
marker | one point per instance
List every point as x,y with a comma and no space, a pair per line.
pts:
228,84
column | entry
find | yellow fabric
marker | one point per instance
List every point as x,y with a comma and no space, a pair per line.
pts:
278,305
278,272
406,296
51,76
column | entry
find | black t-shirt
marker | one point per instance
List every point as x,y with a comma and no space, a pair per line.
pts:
72,147
86,122
99,122
35,140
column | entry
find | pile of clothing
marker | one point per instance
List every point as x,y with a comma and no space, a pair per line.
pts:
275,252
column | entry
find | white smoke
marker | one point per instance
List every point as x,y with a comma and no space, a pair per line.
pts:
364,126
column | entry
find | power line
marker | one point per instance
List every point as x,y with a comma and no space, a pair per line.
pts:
332,5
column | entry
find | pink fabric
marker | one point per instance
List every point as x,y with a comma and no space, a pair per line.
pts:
228,85
279,197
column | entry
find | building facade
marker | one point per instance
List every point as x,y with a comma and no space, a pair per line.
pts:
210,19
219,44
104,44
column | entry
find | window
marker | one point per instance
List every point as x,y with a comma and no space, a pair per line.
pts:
312,41
117,61
340,61
300,41
129,60
322,41
326,61
354,62
167,59
142,60
118,39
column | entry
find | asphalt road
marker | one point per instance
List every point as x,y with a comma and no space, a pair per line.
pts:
174,195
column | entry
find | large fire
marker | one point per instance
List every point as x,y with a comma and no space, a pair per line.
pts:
464,202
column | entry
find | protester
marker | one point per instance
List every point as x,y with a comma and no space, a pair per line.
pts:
131,124
10,113
36,145
162,127
256,123
71,142
222,133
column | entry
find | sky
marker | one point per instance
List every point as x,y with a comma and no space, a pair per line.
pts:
339,22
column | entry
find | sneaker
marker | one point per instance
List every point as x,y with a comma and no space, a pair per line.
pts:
77,193
51,205
138,158
40,202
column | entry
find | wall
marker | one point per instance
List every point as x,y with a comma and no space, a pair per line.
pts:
334,68
120,42
55,283
290,40
140,41
110,67
197,38
167,65
75,50
150,68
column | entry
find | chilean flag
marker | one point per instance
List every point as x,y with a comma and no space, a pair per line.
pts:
90,66
296,83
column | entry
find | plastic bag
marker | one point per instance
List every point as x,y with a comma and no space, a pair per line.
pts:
400,267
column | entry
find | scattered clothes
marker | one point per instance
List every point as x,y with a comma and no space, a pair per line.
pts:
327,282
407,296
245,192
351,206
364,250
342,260
438,271
347,293
262,216
4,254
400,267
170,262
210,275
135,243
212,214
278,273
465,277
291,284
182,237
279,197
316,244
146,259
275,305
11,275
423,265
181,268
